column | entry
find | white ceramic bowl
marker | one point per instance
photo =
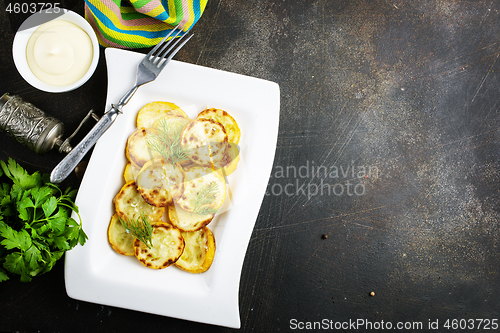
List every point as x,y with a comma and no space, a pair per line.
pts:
26,30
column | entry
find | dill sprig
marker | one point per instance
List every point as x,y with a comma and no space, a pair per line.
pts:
166,140
206,195
140,228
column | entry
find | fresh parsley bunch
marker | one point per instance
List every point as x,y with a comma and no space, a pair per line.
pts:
36,227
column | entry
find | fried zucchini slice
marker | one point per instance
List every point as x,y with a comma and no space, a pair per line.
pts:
167,247
159,181
129,204
207,142
173,123
153,111
187,221
233,157
221,116
137,149
199,251
204,191
119,238
130,173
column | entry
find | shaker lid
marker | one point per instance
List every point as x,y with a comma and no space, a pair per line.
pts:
4,99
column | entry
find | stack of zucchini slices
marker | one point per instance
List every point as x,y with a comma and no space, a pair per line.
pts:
175,184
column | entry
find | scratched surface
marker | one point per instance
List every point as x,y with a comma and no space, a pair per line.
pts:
386,175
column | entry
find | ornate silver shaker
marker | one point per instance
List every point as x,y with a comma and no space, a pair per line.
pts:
30,126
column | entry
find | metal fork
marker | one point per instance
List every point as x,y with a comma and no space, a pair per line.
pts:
147,70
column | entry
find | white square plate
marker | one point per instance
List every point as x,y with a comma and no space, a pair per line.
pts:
95,273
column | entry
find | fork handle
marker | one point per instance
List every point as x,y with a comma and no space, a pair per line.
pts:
124,100
69,163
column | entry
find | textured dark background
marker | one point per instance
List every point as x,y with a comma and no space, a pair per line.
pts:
408,88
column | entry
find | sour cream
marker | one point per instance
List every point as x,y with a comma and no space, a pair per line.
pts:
59,52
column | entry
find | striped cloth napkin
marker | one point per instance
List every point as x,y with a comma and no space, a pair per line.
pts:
140,23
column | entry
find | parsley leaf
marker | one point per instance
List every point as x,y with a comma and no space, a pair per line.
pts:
3,275
36,226
20,176
49,206
14,263
15,239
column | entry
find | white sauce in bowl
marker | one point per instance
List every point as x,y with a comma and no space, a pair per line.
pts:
59,52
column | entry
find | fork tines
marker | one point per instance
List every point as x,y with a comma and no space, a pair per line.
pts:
160,58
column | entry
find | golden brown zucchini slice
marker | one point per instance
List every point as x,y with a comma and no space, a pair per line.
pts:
153,111
159,181
130,173
187,221
207,141
119,238
167,247
221,116
233,157
199,251
137,150
129,204
204,191
166,139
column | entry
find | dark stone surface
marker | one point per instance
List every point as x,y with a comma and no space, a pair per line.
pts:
404,92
